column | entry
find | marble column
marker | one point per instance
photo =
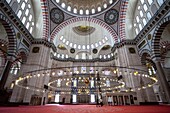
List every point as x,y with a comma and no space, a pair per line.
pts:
163,81
5,74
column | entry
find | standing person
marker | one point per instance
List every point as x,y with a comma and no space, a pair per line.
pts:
97,104
101,102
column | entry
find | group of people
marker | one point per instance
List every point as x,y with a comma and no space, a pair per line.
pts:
100,101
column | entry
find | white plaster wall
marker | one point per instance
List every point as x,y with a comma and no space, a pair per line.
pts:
35,61
127,59
3,34
130,13
38,17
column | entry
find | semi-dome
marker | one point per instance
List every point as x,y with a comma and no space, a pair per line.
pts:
84,7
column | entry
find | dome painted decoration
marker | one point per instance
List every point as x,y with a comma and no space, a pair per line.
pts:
111,16
57,16
62,47
83,30
106,47
84,7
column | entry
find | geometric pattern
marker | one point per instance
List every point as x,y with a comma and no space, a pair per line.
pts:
111,16
122,17
93,20
45,13
57,16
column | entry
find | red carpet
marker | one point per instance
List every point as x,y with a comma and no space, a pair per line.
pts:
85,109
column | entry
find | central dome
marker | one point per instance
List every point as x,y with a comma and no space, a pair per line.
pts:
84,7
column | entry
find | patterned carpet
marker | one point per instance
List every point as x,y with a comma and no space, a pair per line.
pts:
85,109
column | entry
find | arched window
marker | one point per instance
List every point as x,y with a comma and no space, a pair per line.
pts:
144,12
110,1
23,5
136,30
64,40
92,46
19,13
83,55
28,24
142,1
77,57
79,47
67,42
74,10
27,12
160,2
75,83
87,12
92,83
24,11
93,11
18,1
74,98
105,5
75,46
141,13
149,15
140,27
59,83
69,8
88,46
83,47
107,83
144,21
58,55
23,20
15,68
57,1
96,44
57,98
81,11
145,7
99,9
66,56
63,5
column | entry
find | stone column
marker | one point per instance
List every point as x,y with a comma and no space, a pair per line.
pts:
124,102
5,74
150,94
163,81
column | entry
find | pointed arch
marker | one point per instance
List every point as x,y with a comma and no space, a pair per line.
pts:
11,48
157,37
22,54
145,55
